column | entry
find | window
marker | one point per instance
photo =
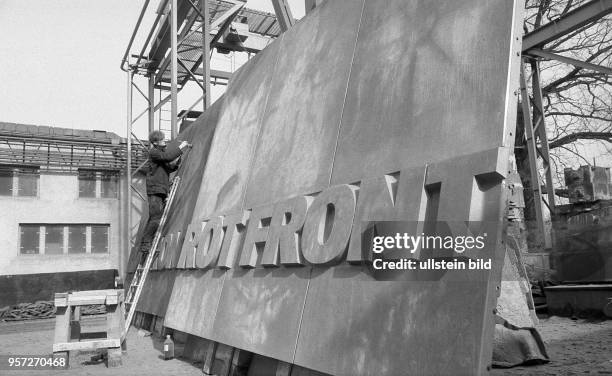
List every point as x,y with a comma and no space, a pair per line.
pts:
109,184
54,239
27,182
99,239
77,239
19,181
57,239
30,239
87,184
6,182
97,184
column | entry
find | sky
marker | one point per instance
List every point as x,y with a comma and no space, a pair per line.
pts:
59,61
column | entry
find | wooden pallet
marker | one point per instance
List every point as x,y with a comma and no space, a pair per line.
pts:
67,323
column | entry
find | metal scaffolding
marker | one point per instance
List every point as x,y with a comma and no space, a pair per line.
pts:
177,50
172,54
532,105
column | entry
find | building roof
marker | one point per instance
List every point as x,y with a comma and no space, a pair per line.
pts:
65,149
57,133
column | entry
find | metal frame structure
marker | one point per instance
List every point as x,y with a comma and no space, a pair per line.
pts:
533,107
283,13
63,153
177,50
173,51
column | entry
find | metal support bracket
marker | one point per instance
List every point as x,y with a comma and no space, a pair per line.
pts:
532,155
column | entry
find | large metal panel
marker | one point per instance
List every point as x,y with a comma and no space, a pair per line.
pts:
195,296
199,134
411,111
226,174
296,146
156,293
355,325
428,82
260,310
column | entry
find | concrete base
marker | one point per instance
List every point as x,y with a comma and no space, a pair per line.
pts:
580,300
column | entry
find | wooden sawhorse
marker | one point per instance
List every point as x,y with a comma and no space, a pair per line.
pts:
68,307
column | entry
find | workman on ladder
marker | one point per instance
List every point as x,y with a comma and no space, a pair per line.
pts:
162,161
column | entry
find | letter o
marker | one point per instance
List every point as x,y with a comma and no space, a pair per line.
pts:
209,243
327,228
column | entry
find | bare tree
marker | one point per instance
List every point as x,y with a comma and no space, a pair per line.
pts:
577,101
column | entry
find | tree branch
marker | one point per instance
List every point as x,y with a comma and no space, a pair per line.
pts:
574,73
576,154
604,136
585,116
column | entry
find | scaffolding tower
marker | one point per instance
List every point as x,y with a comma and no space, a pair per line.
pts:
177,49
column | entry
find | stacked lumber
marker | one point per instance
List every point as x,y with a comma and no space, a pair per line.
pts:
93,309
42,310
28,311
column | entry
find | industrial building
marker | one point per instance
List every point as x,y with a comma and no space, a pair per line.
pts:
65,191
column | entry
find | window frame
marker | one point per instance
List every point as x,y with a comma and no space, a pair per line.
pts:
22,171
10,175
22,226
98,179
46,228
80,179
91,236
66,227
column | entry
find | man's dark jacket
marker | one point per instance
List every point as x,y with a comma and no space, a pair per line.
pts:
158,176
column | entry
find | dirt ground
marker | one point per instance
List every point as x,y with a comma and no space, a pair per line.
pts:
578,347
575,347
144,355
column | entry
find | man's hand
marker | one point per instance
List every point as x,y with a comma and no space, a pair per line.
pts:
184,145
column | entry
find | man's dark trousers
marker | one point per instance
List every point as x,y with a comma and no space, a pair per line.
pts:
156,209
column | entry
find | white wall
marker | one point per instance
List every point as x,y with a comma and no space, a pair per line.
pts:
58,203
